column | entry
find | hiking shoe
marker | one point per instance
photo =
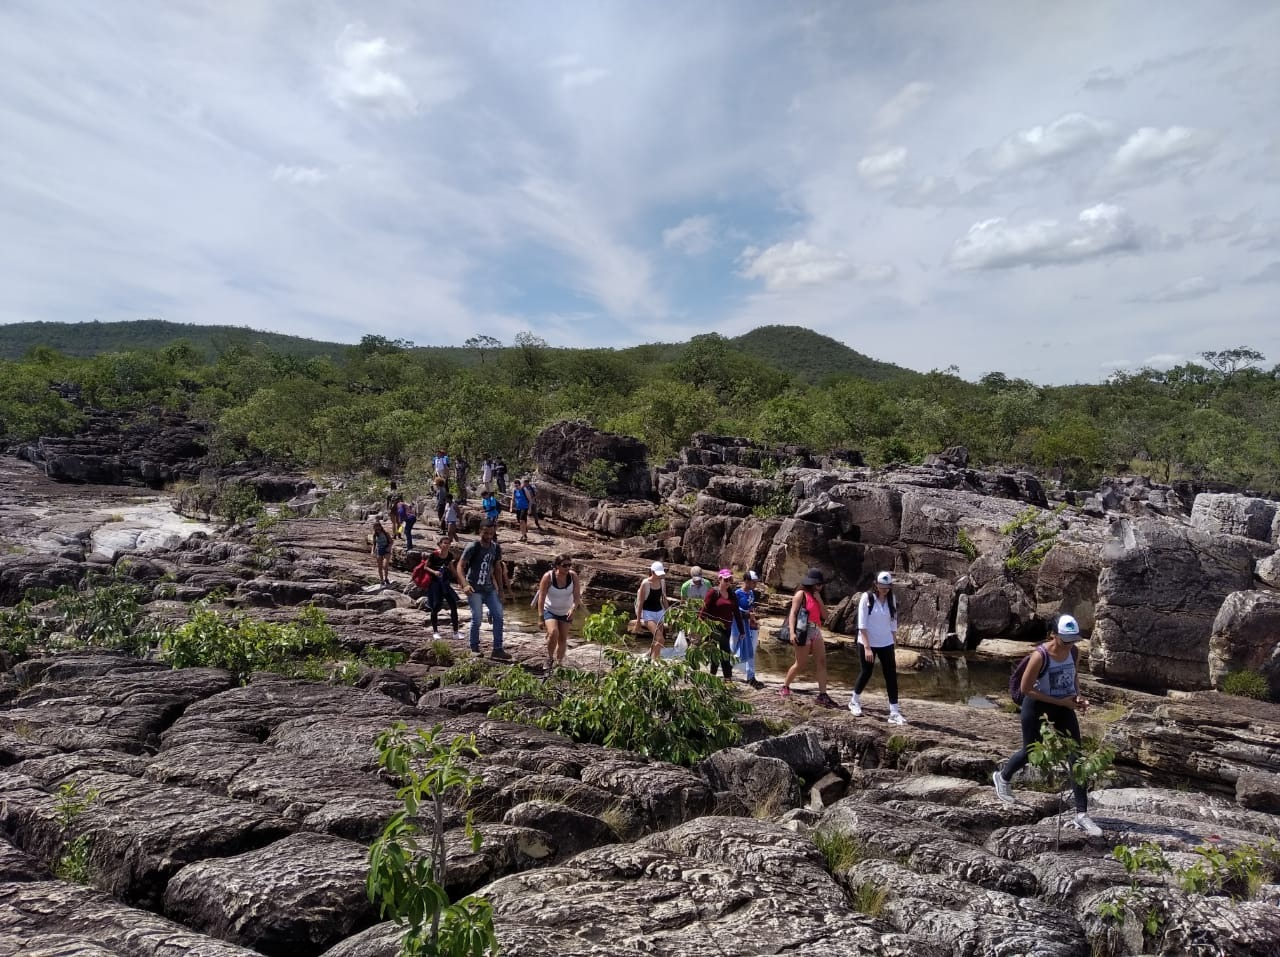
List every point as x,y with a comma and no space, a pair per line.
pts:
784,692
895,717
501,654
1004,791
824,699
1085,823
755,683
475,650
855,708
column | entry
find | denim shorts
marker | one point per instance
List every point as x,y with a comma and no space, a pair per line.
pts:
552,616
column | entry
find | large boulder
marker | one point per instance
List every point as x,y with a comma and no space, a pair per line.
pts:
1160,589
1230,514
925,605
1067,581
565,448
875,511
798,546
1246,636
999,609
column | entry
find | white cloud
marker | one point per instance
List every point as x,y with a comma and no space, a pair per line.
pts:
883,168
1066,136
905,102
1150,150
800,263
299,175
362,79
996,244
1193,287
693,235
588,76
1268,273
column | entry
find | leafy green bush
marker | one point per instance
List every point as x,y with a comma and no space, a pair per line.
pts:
596,477
103,612
1246,684
967,545
1059,759
779,505
244,645
237,502
670,710
73,862
1034,533
653,526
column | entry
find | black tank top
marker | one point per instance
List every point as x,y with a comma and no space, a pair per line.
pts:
653,600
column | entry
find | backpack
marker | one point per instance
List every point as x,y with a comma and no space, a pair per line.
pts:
1015,679
422,574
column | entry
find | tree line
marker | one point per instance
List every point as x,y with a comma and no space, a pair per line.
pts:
385,405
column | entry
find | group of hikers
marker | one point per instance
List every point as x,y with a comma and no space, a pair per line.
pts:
1049,683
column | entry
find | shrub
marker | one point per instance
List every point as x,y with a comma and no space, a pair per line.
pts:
967,545
73,862
1058,758
237,502
840,850
1246,684
779,505
408,864
596,477
654,526
104,612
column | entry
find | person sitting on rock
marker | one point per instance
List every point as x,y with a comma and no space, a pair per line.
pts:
804,627
651,608
1051,689
381,550
877,626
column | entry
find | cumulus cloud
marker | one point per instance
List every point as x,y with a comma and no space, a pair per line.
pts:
883,168
903,103
1066,136
1100,230
1151,150
299,175
362,78
692,236
1194,287
800,263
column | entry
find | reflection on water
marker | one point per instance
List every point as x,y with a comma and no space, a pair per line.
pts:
942,676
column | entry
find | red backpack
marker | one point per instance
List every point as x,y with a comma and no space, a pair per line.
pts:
422,575
1015,679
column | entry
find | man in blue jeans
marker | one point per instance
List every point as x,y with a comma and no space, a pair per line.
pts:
484,578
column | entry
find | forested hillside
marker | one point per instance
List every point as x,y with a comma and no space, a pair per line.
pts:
812,357
386,405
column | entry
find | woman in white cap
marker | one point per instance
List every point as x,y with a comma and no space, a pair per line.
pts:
877,626
651,607
1051,689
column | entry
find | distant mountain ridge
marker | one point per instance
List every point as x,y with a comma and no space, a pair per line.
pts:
808,356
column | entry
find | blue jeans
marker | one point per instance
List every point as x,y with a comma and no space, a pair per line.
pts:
408,531
487,596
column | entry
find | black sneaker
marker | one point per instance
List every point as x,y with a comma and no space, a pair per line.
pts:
755,683
501,654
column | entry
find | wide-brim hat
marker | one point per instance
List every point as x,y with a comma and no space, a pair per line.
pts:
813,577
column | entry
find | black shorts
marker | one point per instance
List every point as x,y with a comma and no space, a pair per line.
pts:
522,515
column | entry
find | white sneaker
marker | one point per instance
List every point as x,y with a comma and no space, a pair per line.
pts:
855,708
895,717
1004,791
1085,823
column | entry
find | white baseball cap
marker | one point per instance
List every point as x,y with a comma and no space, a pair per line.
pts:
658,568
884,578
695,573
1067,628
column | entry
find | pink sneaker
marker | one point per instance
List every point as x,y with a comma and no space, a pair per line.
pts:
784,692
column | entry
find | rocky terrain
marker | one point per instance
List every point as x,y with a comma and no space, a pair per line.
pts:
235,818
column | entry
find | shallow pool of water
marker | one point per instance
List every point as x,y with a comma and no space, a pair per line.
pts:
950,677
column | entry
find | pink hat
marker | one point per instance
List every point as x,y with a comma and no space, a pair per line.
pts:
726,573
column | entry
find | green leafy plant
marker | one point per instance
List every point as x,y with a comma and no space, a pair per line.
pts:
1034,532
869,898
671,710
1240,872
468,672
596,477
408,863
967,544
897,745
104,611
74,862
779,505
654,526
1246,684
237,502
1059,759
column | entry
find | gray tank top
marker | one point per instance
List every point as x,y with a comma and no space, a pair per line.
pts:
1059,680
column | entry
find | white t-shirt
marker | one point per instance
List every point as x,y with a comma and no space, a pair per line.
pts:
874,618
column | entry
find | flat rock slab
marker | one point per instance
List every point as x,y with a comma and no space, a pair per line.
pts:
54,918
293,898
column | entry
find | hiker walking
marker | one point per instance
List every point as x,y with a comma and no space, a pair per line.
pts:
804,624
484,579
651,608
442,499
492,508
1051,689
435,575
531,493
486,474
450,517
460,467
559,595
520,505
877,628
746,629
440,464
696,587
408,518
381,550
500,476
720,609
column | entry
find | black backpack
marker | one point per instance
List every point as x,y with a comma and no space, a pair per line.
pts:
1015,679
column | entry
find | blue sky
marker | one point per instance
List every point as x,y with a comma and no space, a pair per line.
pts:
1049,190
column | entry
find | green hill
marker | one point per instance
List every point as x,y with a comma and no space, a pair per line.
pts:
812,357
93,338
